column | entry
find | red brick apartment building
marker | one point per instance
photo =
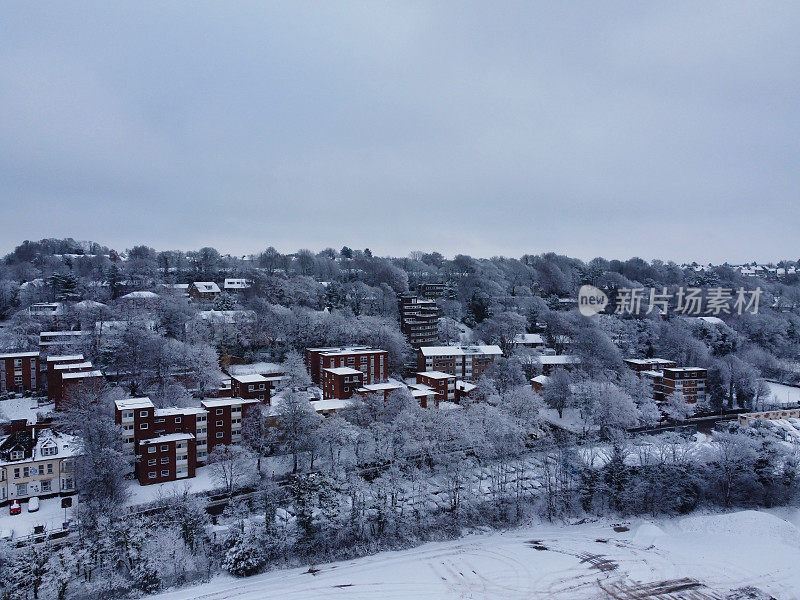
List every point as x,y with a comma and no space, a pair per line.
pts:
251,387
419,320
340,383
689,380
444,384
372,362
169,443
75,383
54,360
55,374
166,442
19,372
465,362
225,418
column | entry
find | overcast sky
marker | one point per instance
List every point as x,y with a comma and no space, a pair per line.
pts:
591,129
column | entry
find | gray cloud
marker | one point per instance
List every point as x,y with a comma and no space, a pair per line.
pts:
590,129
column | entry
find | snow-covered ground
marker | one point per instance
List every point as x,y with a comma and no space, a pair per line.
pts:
50,514
698,557
784,394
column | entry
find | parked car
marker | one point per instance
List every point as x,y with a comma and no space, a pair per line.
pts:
33,504
15,508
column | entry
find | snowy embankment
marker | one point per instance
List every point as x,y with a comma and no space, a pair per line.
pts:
782,394
700,557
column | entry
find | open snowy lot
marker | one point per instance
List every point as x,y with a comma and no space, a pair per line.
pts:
783,394
698,558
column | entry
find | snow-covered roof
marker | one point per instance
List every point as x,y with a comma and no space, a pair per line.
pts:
540,379
88,305
15,409
347,350
252,378
140,294
134,403
82,374
460,350
529,338
62,357
206,287
66,446
169,437
559,359
218,402
436,375
72,365
179,410
236,284
390,384
343,371
465,386
332,404
19,355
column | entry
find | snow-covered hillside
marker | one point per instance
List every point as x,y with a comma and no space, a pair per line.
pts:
698,557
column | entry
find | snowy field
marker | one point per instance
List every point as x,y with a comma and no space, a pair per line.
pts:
697,558
784,394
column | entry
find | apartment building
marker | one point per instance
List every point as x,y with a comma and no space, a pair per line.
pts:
225,418
62,341
444,384
19,372
465,362
651,369
56,359
419,320
431,291
36,462
372,362
167,442
340,383
56,371
235,285
251,387
691,381
76,383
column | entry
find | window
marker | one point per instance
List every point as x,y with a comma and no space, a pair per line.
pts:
142,425
165,473
219,423
49,450
220,411
251,387
46,485
143,413
22,489
49,468
177,419
165,460
159,420
152,474
16,473
262,387
151,449
219,434
69,483
164,448
17,455
26,471
127,414
151,462
17,362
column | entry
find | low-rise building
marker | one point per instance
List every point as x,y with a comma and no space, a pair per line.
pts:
251,387
444,384
557,361
56,371
235,285
340,383
225,418
139,300
372,362
36,462
60,342
690,381
204,290
465,362
75,384
19,372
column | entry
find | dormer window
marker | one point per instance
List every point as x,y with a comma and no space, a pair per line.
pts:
49,450
17,454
